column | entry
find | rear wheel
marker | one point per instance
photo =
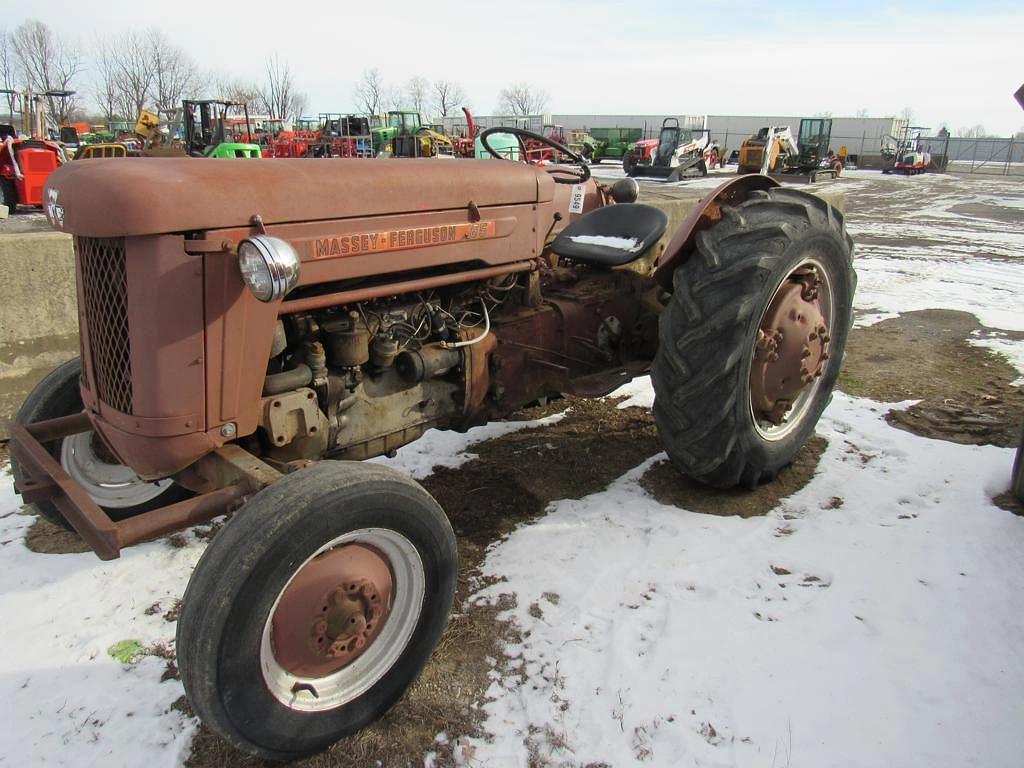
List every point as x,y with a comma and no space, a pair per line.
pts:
752,340
348,575
113,486
629,163
8,194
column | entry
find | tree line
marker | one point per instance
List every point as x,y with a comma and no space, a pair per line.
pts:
144,69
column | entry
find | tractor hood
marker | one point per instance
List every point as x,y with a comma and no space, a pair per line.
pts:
148,196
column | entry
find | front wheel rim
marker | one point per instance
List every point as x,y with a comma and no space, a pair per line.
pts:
386,643
108,483
805,339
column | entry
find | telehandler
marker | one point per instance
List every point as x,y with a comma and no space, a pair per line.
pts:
245,352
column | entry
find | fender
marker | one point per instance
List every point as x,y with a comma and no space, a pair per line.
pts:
706,213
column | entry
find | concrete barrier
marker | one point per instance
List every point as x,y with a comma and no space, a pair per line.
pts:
38,314
38,300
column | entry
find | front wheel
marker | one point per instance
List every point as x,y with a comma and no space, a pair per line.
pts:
752,340
113,486
316,607
629,163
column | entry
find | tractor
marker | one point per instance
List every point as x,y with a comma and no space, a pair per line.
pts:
402,134
675,154
205,129
247,353
614,143
25,164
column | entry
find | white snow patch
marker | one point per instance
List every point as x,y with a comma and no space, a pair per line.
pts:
628,244
883,632
441,448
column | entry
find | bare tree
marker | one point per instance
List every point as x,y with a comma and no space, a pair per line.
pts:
521,99
973,132
105,86
47,63
447,96
394,98
369,92
175,75
249,94
8,72
907,114
862,112
417,91
282,99
134,74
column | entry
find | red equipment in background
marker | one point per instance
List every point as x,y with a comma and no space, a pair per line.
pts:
465,146
24,166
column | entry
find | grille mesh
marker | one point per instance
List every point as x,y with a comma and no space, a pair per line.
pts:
105,290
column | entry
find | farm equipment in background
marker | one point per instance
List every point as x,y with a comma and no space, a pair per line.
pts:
401,133
206,129
905,152
26,162
345,135
676,153
613,143
464,144
583,144
773,151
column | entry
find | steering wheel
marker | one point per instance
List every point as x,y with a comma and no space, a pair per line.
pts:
559,175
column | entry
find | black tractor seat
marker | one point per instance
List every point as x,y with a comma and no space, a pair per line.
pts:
611,236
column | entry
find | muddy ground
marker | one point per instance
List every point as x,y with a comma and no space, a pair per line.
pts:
966,395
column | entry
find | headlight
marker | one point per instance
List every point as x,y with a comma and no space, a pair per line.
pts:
270,267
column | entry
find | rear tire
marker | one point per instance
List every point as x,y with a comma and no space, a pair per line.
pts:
629,163
8,195
235,650
58,395
703,407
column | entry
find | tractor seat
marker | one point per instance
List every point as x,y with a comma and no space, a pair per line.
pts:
611,236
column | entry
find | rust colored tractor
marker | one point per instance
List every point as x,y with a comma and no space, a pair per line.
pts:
245,353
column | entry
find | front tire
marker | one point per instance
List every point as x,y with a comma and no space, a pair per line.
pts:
629,163
743,369
113,486
316,607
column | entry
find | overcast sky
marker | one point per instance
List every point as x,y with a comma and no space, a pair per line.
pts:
952,62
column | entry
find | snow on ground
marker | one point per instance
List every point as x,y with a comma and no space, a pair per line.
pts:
882,632
64,701
939,256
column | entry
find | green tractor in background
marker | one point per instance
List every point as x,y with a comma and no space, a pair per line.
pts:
401,133
207,129
613,142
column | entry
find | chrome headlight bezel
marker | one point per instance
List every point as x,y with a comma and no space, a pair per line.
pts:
269,265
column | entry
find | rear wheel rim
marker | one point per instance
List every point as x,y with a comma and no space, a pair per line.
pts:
109,483
400,593
766,426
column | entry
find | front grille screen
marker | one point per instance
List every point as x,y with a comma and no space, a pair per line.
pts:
105,317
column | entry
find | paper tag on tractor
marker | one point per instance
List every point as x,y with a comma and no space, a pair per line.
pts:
579,192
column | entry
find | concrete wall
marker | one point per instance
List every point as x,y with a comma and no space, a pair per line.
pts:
38,314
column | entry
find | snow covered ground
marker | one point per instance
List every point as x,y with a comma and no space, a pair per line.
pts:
874,618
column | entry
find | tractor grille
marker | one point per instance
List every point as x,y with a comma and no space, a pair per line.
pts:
105,318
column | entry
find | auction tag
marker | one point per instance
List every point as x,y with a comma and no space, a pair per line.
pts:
579,192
